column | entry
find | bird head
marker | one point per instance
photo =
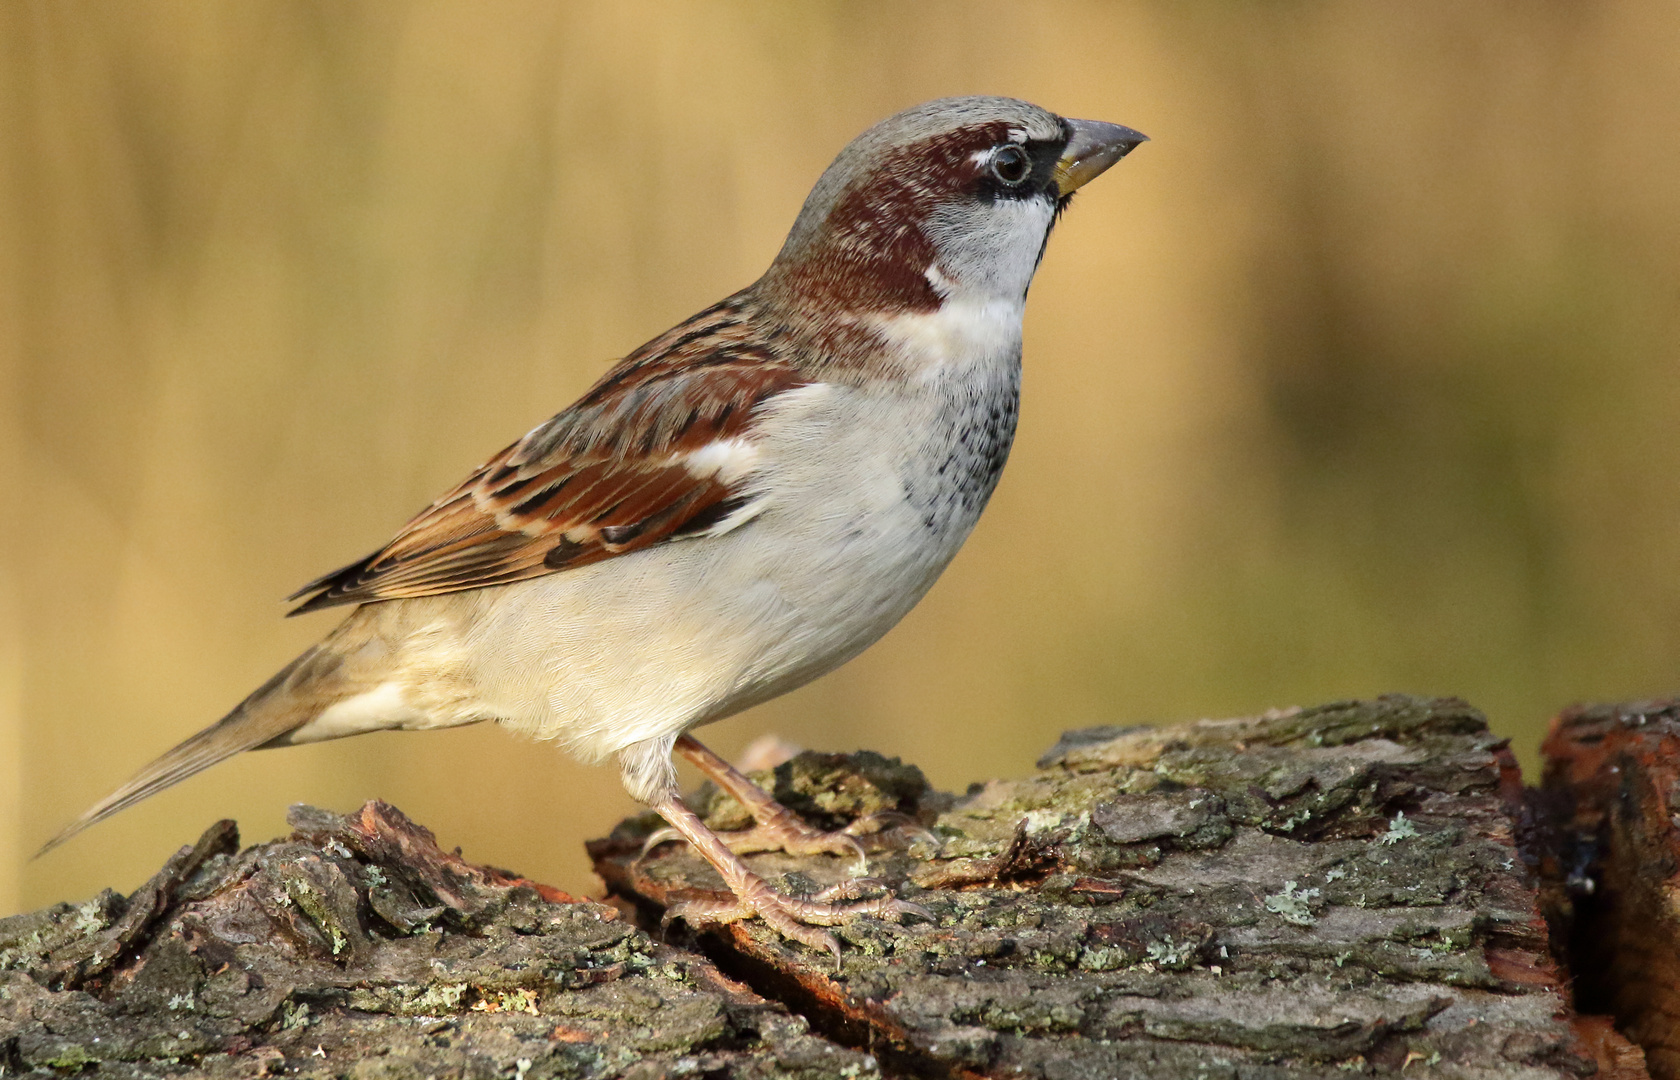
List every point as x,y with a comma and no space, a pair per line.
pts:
952,196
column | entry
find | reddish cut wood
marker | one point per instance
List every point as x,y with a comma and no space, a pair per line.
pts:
1612,773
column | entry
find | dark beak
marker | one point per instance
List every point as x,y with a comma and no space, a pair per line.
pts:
1092,149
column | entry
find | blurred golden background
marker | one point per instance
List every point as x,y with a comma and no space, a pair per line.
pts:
1362,376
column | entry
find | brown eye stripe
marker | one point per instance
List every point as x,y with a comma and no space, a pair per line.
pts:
872,253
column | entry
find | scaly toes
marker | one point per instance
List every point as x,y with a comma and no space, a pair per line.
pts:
698,913
880,822
795,838
787,925
798,918
881,905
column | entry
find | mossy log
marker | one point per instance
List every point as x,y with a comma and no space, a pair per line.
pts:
1311,893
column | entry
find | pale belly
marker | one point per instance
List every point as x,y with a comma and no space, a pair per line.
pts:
650,644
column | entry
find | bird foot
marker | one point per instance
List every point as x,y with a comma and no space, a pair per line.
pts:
797,918
885,820
782,833
788,833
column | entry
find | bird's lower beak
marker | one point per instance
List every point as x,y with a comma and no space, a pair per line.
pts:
1094,147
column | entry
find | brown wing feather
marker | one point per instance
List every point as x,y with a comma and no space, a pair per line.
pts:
602,478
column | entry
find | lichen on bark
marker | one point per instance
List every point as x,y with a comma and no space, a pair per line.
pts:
1313,892
1310,893
357,948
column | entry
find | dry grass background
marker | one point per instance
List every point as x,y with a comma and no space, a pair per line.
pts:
1361,376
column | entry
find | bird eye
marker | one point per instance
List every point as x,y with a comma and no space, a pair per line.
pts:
1011,164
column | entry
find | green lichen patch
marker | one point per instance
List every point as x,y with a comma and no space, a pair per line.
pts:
26,939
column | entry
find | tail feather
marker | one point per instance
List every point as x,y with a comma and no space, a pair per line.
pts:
293,697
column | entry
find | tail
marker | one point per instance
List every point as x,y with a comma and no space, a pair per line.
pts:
293,697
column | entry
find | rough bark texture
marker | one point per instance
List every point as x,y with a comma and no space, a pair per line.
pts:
1609,802
1311,893
357,948
1308,893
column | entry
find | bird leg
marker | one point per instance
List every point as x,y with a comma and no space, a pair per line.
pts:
792,917
777,828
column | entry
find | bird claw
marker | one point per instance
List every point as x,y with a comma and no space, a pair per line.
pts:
656,838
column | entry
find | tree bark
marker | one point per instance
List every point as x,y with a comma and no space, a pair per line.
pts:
1611,796
1308,893
358,948
1311,893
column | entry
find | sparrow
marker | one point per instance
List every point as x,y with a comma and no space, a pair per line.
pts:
737,507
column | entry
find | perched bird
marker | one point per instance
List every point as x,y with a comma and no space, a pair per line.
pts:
739,506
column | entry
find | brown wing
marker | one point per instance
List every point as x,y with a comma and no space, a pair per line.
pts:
615,472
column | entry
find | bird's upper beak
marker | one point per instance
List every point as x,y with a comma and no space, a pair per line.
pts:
1092,149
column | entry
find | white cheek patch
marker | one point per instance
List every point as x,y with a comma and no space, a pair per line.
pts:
992,248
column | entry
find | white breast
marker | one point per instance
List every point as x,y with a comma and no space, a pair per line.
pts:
865,494
870,491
